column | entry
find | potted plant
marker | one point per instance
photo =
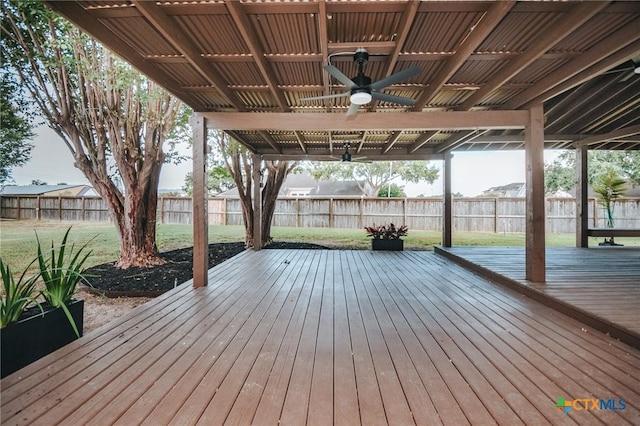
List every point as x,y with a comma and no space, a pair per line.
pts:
609,187
33,329
387,237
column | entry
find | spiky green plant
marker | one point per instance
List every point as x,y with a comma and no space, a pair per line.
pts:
609,187
17,295
61,273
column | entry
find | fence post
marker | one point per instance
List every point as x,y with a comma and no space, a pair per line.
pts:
38,206
404,210
59,208
496,219
297,212
84,199
224,212
361,212
331,218
161,210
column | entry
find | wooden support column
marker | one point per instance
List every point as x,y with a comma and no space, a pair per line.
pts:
257,202
200,216
582,197
535,211
447,217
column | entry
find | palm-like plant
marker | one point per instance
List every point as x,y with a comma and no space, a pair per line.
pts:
61,273
609,186
17,295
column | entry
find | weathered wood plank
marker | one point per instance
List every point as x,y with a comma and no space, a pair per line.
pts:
332,337
598,284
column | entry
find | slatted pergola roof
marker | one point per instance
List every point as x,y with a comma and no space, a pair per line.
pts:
260,58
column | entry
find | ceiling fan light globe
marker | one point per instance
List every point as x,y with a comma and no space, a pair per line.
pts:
360,98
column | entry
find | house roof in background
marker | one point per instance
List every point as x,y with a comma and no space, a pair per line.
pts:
303,182
15,190
261,57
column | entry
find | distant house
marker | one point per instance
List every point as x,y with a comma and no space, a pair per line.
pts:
515,189
303,185
49,190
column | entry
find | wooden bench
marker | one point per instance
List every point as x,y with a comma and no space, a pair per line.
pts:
613,232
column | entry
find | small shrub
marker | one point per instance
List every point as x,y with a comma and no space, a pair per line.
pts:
386,232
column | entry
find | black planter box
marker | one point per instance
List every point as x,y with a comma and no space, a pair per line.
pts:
393,245
32,338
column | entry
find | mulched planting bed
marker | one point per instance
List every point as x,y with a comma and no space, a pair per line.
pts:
110,281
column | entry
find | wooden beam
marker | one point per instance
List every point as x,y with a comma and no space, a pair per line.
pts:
600,54
447,210
616,134
323,42
300,138
458,140
257,201
407,19
559,29
391,141
200,216
292,156
251,39
75,13
171,31
478,34
269,139
535,204
582,197
421,140
453,120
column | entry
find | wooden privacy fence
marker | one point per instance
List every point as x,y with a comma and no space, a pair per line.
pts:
469,214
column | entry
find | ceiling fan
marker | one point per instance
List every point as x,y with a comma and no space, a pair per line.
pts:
361,89
347,157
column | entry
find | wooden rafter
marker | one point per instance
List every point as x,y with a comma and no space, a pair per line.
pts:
94,27
616,134
559,29
488,22
300,138
624,42
407,19
180,41
391,141
257,52
421,140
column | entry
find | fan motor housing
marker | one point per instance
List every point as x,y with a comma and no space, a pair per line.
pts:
361,56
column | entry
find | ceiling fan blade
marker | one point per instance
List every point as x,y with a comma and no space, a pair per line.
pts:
391,98
353,109
313,98
335,72
395,78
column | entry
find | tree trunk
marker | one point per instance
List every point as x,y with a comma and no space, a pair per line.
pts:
240,166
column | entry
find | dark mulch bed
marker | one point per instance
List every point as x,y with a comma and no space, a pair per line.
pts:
108,280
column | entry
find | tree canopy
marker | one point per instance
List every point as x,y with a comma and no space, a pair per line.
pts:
16,130
112,120
560,175
371,177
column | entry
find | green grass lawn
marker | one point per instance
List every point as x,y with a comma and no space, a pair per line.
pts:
18,238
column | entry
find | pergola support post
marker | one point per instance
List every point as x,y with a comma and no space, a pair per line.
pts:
447,218
582,197
200,214
257,201
535,205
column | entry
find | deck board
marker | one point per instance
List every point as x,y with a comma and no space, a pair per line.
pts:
331,337
598,284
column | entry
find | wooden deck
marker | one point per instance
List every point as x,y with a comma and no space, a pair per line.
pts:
598,286
332,337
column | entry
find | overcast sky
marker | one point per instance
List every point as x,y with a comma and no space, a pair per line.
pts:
472,172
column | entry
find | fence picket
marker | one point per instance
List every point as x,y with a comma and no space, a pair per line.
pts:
469,214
